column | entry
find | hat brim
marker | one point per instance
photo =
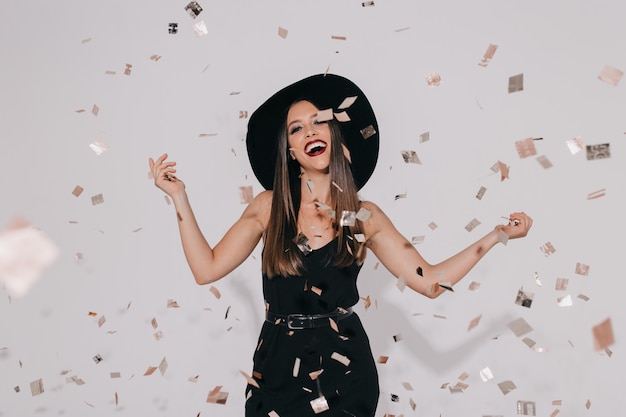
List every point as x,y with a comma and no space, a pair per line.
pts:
326,91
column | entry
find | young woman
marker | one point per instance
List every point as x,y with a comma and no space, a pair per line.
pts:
312,146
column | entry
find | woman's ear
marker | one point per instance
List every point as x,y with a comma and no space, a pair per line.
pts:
292,154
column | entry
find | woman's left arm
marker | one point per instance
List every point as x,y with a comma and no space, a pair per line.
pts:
401,258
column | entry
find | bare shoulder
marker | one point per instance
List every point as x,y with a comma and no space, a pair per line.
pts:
377,221
260,208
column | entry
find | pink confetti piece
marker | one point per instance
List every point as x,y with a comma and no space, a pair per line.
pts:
611,75
282,32
603,335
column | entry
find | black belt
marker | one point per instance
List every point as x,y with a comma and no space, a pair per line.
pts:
307,321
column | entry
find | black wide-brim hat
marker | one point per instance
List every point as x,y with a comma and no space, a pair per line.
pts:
326,91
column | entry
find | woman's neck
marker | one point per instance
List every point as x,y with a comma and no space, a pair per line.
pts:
315,189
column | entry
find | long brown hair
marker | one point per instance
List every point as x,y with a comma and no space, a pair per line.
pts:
281,254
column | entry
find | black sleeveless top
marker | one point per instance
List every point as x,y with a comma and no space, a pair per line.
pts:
295,367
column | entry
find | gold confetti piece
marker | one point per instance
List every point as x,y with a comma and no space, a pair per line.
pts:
325,115
207,135
215,292
575,145
491,50
159,335
516,83
397,338
77,190
555,413
115,375
117,399
506,386
524,298
316,290
600,151
486,374
216,396
194,378
504,170
128,69
416,240
79,256
193,9
368,3
503,237
36,387
596,194
347,102
342,117
97,199
472,225
401,284
363,214
525,148
338,38
544,162
382,359
282,32
519,327
432,225
603,335
561,284
333,325
89,404
610,75
368,132
439,316
474,286
481,193
319,404
474,322
410,157
87,40
315,374
250,380
200,29
407,386
163,366
155,58
565,301
583,297
97,359
446,285
95,110
340,358
273,414
526,408
399,196
455,390
172,304
296,368
25,253
109,72
547,249
433,79
80,111
367,302
101,321
582,269
92,314
537,280
348,218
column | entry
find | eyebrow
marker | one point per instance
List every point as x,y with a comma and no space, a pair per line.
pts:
312,116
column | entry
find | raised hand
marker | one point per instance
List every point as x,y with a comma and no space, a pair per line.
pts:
519,225
164,175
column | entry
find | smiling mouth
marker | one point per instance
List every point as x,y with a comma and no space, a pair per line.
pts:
315,148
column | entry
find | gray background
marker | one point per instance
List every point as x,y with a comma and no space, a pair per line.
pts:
63,56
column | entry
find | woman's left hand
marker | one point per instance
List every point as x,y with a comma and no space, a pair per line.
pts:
519,225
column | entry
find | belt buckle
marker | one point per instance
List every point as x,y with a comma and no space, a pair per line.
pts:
297,321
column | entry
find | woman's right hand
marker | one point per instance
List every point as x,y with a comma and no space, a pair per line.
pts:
164,176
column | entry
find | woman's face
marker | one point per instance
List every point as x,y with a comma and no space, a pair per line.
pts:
309,138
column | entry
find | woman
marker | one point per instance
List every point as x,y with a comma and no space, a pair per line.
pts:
312,146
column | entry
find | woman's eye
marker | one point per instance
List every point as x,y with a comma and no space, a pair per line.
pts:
295,129
317,122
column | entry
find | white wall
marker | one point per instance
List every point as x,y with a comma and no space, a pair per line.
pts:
55,56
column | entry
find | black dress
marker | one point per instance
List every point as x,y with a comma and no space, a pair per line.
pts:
285,359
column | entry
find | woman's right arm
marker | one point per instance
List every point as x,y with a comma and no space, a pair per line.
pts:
209,264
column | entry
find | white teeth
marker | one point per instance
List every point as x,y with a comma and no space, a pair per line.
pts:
313,146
